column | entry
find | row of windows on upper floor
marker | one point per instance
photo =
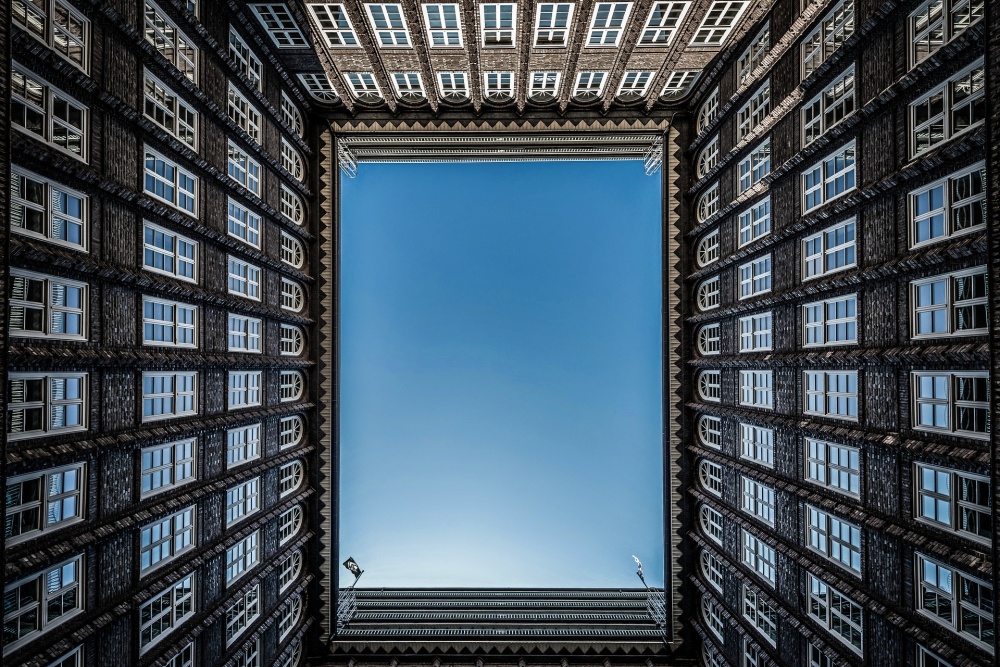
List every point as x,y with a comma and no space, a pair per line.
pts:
43,404
249,656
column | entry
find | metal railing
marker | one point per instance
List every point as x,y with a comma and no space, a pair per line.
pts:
657,607
347,606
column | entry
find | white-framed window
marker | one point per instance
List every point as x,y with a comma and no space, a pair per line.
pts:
289,524
243,444
243,169
334,25
758,556
662,23
167,466
318,85
608,23
751,655
956,106
937,22
59,26
498,24
165,539
830,322
249,655
364,86
389,25
244,611
754,167
292,208
719,21
289,569
39,109
831,394
244,333
244,114
708,203
757,444
72,659
166,611
243,223
836,612
708,248
826,110
833,466
710,431
166,395
44,209
755,332
710,476
709,339
679,83
926,658
168,110
755,277
454,86
955,500
289,616
183,658
172,44
831,250
293,340
817,658
292,296
280,25
499,86
833,30
290,431
836,539
552,21
708,157
40,404
409,86
955,599
291,160
242,557
244,279
710,386
755,222
169,253
43,501
752,114
757,499
708,294
711,613
543,86
711,523
708,110
712,570
952,402
952,206
293,253
831,177
244,389
634,85
242,500
954,304
290,477
170,183
246,62
292,385
293,658
47,307
753,55
589,86
169,323
444,27
36,604
761,614
290,113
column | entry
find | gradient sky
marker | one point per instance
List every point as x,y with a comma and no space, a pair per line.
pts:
500,374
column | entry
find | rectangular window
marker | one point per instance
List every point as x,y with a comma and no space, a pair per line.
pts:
183,658
753,55
756,389
335,25
280,25
444,27
755,277
589,85
318,85
758,556
454,86
243,445
247,63
760,614
499,85
831,250
43,501
244,114
389,25
826,110
363,85
163,467
242,613
937,22
498,24
836,612
754,167
662,23
244,279
38,109
168,395
956,106
927,659
951,597
608,23
832,466
166,539
38,603
755,222
408,85
243,169
552,22
833,30
949,207
757,499
44,209
831,177
830,322
718,22
45,404
169,253
543,85
954,500
752,114
244,333
834,538
831,394
165,108
169,182
952,402
757,444
59,26
634,85
679,83
47,307
172,44
755,333
244,224
72,659
955,304
166,611
244,389
242,500
168,323
242,557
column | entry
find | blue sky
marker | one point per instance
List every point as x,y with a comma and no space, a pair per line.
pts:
500,374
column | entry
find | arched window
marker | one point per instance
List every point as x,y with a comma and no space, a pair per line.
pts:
289,524
290,478
292,251
293,341
292,296
293,658
291,206
291,430
289,569
289,618
708,248
709,341
710,476
708,203
710,386
710,431
292,161
711,569
708,294
292,385
710,658
712,615
711,523
709,110
291,115
709,157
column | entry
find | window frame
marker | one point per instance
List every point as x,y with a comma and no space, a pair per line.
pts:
182,463
816,264
47,496
553,25
244,114
820,596
331,25
242,613
50,94
952,496
755,277
247,63
176,259
839,95
754,500
822,325
251,276
489,25
393,37
611,25
43,599
174,395
760,614
242,557
47,404
759,556
242,501
717,31
816,465
174,324
172,105
754,112
830,33
757,444
242,388
825,394
949,207
182,537
180,607
949,401
947,115
176,184
948,30
817,178
754,168
280,25
178,45
49,32
447,31
951,304
52,190
244,444
825,535
958,607
667,23
52,285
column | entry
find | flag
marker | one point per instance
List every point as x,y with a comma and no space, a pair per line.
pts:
352,565
639,563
